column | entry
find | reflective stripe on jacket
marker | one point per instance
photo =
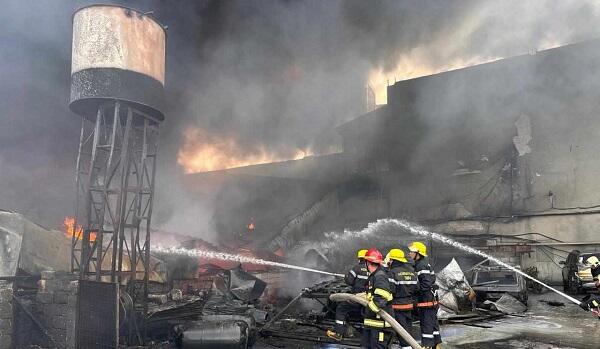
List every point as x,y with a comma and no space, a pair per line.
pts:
357,278
405,285
379,296
426,285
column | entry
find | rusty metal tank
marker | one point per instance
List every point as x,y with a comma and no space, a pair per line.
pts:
118,53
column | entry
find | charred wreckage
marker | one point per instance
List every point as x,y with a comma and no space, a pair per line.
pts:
195,302
107,290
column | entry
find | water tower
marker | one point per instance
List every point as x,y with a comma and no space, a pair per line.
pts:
117,82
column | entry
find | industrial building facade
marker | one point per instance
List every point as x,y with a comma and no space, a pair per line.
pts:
503,155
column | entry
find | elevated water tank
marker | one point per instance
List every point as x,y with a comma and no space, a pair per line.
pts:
118,53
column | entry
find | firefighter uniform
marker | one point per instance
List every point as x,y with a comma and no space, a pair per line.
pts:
427,303
404,281
377,333
594,263
357,279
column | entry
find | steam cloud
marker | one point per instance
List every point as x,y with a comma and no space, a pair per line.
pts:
276,75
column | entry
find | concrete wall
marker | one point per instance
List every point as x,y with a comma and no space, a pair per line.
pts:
574,231
495,138
511,146
31,247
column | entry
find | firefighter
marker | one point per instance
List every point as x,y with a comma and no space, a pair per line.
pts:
357,279
376,333
402,275
594,262
427,303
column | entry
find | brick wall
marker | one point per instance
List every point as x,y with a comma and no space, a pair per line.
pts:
56,304
6,315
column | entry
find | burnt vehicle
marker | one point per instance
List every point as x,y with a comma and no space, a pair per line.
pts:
492,282
576,274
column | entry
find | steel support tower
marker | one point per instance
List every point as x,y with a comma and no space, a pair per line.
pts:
116,166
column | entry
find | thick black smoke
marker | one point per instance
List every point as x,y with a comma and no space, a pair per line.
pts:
276,75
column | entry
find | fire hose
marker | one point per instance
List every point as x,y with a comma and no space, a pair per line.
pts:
592,304
347,297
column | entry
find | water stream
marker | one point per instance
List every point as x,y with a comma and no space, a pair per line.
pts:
372,229
198,253
414,229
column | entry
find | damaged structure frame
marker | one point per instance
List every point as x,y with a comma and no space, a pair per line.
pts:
116,166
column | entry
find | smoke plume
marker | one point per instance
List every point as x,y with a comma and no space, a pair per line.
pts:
270,77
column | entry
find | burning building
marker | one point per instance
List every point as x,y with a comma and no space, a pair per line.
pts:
502,154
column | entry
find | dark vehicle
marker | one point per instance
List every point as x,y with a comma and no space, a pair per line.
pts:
491,282
576,274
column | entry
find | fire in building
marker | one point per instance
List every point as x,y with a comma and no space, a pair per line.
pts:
287,206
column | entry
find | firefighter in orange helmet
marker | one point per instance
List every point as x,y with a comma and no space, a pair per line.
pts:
376,333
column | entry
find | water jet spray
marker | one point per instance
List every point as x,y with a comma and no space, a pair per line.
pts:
418,230
198,253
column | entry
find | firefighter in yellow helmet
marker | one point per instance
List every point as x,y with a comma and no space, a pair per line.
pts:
594,264
427,303
357,279
404,280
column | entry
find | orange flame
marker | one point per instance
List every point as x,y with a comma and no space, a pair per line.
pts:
414,65
411,66
69,225
202,152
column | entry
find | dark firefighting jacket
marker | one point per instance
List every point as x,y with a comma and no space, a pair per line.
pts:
404,281
357,277
379,296
595,273
426,296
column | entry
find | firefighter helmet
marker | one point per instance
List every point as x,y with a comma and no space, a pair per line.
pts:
593,261
374,256
418,247
397,255
361,254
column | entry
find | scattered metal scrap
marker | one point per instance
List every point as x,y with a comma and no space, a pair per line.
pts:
310,326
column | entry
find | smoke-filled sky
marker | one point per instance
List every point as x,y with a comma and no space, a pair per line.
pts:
249,81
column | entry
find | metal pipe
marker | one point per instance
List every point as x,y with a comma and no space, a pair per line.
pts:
486,283
347,297
283,310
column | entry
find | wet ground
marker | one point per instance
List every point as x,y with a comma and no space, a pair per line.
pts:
541,327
